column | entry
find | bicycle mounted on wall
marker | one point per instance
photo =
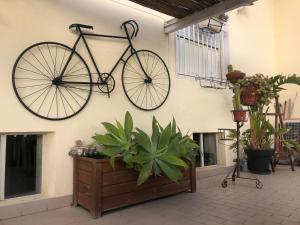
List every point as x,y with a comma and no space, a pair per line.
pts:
54,82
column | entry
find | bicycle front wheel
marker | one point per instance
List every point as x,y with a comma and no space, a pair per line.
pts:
146,80
40,87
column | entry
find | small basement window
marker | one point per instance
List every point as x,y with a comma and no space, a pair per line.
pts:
21,162
207,152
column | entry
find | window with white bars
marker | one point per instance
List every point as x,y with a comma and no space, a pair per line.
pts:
202,55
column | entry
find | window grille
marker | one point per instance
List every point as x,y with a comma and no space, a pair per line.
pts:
202,55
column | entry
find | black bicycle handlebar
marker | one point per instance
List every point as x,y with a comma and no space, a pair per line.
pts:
134,25
78,25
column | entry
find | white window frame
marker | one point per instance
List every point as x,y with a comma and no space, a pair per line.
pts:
201,148
3,162
192,56
2,165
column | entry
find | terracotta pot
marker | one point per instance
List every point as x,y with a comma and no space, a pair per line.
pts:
235,76
249,95
240,115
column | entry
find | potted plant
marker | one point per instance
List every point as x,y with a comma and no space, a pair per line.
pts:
239,114
250,86
260,89
258,141
233,76
259,138
137,168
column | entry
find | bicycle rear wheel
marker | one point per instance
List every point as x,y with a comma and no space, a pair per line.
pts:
146,93
36,84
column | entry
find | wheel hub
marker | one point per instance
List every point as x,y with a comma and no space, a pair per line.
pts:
148,80
57,81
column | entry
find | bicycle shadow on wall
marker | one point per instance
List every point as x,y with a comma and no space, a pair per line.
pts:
54,82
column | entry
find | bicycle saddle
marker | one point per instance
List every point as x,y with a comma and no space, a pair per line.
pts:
78,25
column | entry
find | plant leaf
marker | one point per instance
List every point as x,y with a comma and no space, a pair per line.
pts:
165,137
174,160
145,173
174,126
143,140
111,151
106,140
128,125
121,130
155,133
170,171
111,128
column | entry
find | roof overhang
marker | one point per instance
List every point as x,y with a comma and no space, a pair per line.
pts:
187,12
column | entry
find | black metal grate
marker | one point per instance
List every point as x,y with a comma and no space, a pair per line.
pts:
294,132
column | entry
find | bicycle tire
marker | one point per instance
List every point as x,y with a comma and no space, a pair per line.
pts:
41,66
156,69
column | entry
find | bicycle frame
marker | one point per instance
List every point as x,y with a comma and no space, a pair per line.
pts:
83,35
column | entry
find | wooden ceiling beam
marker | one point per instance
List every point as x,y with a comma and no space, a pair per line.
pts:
198,16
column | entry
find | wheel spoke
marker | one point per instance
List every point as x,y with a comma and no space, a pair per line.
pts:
135,92
138,82
52,102
161,88
56,102
144,97
73,97
43,101
134,78
67,102
52,74
152,70
36,68
40,63
74,66
34,84
54,65
151,96
62,102
77,94
36,91
133,88
31,79
31,71
139,94
157,72
60,67
135,72
49,88
156,91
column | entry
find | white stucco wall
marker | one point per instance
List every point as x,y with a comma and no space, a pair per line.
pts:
287,40
195,109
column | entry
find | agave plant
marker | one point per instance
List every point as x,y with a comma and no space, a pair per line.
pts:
118,140
163,152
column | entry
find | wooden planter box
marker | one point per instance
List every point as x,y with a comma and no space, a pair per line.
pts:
99,188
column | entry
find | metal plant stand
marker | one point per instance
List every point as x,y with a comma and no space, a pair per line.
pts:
236,173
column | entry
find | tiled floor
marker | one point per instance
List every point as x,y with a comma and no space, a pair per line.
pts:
277,203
